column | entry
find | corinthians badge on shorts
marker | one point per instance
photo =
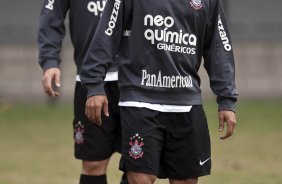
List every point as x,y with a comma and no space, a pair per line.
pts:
136,143
78,133
196,4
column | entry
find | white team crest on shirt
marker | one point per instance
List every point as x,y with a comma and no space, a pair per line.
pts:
136,143
196,4
78,133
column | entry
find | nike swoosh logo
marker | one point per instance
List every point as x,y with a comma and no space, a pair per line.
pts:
202,163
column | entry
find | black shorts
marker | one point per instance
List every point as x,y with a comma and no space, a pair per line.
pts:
94,143
168,145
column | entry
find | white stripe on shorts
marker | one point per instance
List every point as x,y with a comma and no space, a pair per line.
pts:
157,107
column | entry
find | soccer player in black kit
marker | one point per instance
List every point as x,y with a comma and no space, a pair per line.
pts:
164,127
94,144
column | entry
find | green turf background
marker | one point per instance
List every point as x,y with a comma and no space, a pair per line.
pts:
36,145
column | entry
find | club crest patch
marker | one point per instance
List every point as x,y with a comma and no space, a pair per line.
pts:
136,143
78,133
196,4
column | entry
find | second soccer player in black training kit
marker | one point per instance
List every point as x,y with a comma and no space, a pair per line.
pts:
165,131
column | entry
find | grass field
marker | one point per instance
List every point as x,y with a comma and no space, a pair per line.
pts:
36,145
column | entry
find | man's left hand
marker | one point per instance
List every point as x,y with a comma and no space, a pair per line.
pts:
229,118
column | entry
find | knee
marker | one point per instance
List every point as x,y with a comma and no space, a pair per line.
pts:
96,168
140,178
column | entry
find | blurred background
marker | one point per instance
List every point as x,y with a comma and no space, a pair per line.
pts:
36,133
256,30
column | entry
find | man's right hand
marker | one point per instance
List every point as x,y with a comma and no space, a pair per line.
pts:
49,76
94,106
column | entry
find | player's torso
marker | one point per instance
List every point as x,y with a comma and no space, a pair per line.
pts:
86,12
84,16
170,34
